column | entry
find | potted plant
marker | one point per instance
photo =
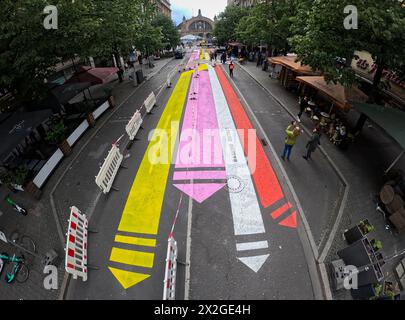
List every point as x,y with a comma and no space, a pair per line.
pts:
57,135
365,226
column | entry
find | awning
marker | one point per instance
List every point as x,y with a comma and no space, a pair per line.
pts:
15,127
290,63
391,120
341,96
92,75
236,44
66,92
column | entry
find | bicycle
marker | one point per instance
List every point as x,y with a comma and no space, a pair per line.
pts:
19,271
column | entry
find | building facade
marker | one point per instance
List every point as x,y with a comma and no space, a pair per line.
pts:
164,7
198,26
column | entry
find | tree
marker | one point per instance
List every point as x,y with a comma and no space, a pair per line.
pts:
170,34
268,22
321,40
225,28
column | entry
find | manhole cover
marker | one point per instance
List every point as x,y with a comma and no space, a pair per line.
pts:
235,184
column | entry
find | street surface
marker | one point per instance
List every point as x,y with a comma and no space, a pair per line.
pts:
237,221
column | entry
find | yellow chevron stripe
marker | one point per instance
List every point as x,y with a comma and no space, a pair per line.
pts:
132,257
136,241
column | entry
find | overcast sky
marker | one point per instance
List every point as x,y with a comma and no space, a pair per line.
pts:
188,8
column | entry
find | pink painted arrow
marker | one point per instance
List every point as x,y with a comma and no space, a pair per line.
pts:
200,168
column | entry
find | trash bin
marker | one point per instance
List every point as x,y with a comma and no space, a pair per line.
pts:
139,76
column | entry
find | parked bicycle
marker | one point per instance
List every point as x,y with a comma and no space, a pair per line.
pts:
19,271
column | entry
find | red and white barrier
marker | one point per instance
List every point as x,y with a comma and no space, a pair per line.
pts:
133,125
109,169
150,102
169,283
76,244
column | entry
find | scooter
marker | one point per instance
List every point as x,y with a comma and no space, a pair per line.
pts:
16,207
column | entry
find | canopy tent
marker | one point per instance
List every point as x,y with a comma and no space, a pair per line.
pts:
66,92
341,96
15,127
391,120
236,44
190,37
291,63
92,75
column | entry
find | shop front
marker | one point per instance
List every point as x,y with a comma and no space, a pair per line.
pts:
329,105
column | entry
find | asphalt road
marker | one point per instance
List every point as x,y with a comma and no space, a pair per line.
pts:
216,238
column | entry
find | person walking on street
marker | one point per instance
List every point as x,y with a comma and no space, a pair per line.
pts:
292,131
313,143
231,67
303,106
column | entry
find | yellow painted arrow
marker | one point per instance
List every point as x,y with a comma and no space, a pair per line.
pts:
128,279
142,210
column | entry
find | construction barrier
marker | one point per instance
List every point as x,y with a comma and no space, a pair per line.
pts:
169,283
150,102
76,244
133,125
109,169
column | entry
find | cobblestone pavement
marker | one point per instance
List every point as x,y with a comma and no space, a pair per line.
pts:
362,166
40,223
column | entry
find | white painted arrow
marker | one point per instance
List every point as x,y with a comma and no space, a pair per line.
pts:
254,263
247,217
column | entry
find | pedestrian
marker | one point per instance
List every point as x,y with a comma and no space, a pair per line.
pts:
223,57
292,131
313,143
215,56
303,106
231,67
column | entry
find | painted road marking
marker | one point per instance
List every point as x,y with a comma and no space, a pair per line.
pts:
142,210
195,175
127,278
246,212
267,184
132,257
290,221
252,245
196,148
256,263
278,212
136,241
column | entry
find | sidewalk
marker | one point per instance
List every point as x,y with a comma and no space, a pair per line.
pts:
43,223
361,166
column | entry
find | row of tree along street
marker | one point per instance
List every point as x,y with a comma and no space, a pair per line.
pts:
97,28
30,55
315,31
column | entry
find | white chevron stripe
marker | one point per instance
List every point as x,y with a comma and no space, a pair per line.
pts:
252,245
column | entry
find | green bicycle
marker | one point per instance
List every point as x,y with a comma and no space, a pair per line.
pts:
19,270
